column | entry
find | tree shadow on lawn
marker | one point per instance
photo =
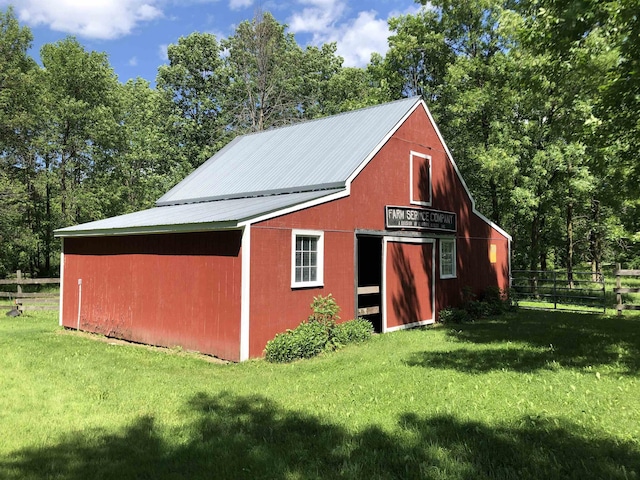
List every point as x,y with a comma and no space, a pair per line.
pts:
541,340
237,437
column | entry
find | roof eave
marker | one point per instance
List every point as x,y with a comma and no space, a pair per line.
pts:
154,229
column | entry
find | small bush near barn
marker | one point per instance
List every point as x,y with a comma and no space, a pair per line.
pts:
319,333
453,315
305,341
494,302
353,331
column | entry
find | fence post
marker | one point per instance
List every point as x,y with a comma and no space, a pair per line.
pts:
555,291
618,287
18,278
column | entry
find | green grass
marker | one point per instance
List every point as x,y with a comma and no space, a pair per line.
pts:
541,395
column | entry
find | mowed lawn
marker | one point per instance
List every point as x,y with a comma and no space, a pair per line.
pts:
530,395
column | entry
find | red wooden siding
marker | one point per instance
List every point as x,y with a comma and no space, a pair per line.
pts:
274,306
409,278
171,289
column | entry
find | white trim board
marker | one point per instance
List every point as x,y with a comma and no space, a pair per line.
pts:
245,293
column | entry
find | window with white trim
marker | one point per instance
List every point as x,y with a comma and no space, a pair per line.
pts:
447,258
307,258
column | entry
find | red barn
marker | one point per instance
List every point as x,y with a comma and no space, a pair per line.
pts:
366,205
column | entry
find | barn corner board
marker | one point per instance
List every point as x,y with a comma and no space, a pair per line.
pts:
367,205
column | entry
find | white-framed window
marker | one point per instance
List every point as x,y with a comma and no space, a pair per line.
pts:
420,179
447,258
307,258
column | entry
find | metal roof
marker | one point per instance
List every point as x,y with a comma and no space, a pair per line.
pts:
312,155
192,216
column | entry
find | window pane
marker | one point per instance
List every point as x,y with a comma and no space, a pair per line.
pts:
447,258
306,258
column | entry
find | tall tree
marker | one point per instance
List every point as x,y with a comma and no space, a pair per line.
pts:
19,124
273,81
263,63
194,86
81,120
141,168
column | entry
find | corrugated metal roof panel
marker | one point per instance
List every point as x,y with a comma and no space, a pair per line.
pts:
193,216
316,154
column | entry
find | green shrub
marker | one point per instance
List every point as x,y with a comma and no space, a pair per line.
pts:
497,301
353,331
305,341
476,309
319,333
324,310
453,315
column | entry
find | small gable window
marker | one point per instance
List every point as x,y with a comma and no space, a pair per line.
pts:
307,259
448,258
420,178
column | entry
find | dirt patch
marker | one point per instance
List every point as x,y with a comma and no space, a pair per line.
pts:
169,351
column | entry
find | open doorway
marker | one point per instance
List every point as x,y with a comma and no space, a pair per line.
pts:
370,280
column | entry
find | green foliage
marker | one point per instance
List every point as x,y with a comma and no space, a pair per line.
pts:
537,101
493,302
324,310
192,89
531,395
354,331
497,301
305,341
319,333
451,315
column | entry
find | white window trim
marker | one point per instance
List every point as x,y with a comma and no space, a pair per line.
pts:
451,241
412,200
319,282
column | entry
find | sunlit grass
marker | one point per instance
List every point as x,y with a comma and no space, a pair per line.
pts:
531,395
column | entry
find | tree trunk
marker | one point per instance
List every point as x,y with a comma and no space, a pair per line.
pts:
595,241
495,205
570,244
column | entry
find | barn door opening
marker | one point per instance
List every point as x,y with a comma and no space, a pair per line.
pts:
370,280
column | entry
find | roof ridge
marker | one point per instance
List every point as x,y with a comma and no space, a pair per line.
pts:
305,121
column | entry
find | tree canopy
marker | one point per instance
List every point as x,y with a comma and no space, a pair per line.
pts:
536,99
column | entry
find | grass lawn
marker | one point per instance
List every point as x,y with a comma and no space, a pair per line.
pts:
534,394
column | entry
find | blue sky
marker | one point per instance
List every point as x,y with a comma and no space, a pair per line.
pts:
135,33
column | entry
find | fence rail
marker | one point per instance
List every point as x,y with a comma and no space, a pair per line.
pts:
559,290
619,290
29,300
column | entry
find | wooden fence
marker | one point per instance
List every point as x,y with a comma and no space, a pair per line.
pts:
30,301
619,290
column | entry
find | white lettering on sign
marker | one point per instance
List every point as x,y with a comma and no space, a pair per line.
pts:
420,219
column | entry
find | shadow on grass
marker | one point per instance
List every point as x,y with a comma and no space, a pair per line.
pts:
541,340
232,437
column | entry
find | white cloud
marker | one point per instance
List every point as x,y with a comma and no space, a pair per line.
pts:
239,4
133,61
357,37
318,18
361,37
163,53
101,19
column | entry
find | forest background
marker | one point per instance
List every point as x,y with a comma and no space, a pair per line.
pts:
538,101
